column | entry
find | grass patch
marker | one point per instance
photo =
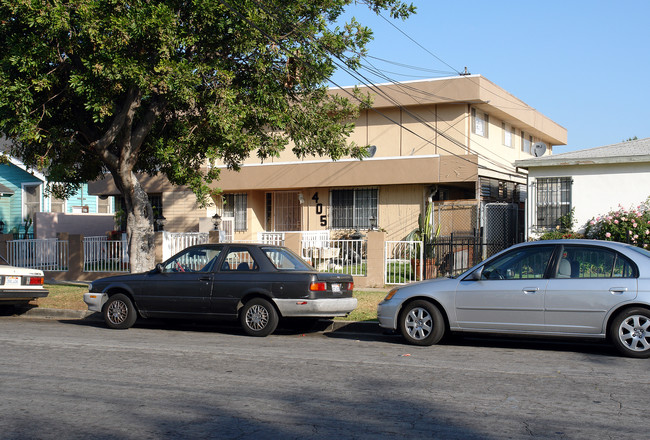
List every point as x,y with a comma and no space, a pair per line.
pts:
366,306
63,296
67,296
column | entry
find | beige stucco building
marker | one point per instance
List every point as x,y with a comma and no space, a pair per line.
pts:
446,140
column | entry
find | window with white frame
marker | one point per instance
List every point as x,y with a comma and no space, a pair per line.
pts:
553,200
480,122
236,206
352,208
508,135
526,142
104,204
31,199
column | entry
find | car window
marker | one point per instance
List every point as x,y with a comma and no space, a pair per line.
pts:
526,262
239,259
193,260
284,259
593,262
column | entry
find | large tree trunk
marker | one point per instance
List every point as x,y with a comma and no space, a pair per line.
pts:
139,224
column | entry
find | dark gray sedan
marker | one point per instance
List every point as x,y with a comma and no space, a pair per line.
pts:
254,283
573,288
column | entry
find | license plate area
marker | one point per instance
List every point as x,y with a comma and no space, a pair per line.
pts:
336,288
13,281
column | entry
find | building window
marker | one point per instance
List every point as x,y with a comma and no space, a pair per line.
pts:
508,135
480,122
352,208
31,200
104,204
236,206
553,200
526,142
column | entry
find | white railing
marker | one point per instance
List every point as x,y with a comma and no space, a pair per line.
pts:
174,242
103,255
276,238
340,256
43,254
403,261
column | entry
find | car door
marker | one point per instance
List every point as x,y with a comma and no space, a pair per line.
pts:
238,274
587,282
182,285
509,296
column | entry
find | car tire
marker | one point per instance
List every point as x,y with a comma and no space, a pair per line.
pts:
119,312
630,332
421,323
258,317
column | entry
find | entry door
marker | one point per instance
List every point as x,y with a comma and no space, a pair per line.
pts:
283,211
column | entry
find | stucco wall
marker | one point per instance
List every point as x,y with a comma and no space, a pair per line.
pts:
598,189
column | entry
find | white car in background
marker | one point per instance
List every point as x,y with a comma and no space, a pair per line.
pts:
19,285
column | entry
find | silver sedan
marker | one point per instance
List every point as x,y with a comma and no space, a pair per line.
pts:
572,288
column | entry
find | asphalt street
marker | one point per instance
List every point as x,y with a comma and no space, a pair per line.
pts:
75,379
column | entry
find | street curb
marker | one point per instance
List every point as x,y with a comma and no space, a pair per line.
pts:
366,327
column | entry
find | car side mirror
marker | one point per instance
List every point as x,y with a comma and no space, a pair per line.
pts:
477,274
159,268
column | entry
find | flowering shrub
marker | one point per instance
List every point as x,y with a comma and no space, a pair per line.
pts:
626,226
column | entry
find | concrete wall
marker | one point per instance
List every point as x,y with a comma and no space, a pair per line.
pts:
49,224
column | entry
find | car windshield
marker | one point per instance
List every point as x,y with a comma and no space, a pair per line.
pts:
284,259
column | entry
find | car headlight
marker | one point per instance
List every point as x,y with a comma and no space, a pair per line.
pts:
90,287
391,293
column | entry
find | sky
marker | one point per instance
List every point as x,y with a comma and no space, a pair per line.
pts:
584,64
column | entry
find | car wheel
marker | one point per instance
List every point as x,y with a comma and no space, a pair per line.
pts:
258,317
421,323
119,312
630,332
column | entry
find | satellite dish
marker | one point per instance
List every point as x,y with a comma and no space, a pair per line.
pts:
539,148
372,150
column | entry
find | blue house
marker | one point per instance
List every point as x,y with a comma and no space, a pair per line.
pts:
23,193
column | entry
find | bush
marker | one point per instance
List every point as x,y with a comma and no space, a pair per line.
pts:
626,226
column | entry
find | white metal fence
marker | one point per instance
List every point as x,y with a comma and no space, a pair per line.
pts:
340,256
48,254
103,255
174,242
403,262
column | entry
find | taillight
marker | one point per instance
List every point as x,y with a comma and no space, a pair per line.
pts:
350,286
318,287
33,281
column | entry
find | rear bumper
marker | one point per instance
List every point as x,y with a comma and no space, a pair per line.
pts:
22,294
317,308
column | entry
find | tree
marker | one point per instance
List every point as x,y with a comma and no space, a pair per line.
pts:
95,86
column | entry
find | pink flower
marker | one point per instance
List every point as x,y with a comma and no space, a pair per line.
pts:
629,232
634,225
647,232
636,236
608,235
592,222
616,221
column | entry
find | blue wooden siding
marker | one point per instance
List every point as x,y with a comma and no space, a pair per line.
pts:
11,207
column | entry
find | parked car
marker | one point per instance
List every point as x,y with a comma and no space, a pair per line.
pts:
19,285
572,288
254,283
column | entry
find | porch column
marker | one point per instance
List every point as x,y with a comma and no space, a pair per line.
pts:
375,261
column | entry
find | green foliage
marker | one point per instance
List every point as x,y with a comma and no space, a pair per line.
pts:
564,230
89,86
623,225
